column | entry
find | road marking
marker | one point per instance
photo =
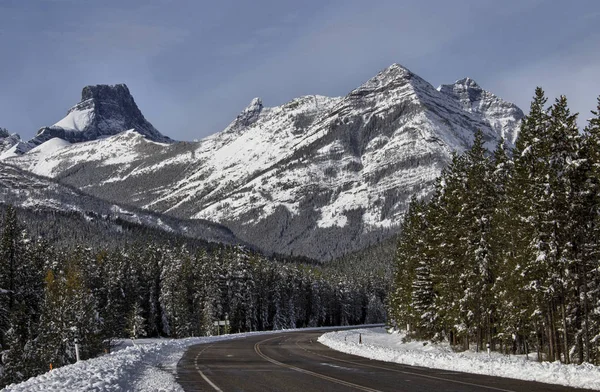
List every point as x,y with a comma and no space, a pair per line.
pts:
311,373
208,381
404,371
335,366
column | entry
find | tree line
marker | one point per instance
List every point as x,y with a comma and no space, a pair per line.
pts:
52,295
506,252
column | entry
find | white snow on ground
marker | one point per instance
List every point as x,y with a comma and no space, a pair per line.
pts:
149,365
378,344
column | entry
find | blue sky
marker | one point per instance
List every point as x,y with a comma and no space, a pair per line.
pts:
192,66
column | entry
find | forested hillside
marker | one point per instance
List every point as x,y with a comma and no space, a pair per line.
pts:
133,281
507,250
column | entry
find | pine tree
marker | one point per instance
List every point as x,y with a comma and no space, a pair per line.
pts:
12,358
136,324
589,278
480,204
526,203
409,250
11,255
69,312
556,242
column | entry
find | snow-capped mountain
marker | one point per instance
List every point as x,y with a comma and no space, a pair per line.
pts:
316,176
104,110
501,115
11,144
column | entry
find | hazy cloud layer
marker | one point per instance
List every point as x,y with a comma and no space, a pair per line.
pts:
193,65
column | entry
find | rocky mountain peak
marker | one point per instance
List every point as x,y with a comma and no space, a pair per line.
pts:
104,110
394,74
11,144
465,89
247,117
105,92
396,70
501,115
250,114
467,83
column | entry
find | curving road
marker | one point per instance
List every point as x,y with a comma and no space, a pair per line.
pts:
296,362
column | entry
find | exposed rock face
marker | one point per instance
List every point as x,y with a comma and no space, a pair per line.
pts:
499,114
103,111
317,176
249,115
11,144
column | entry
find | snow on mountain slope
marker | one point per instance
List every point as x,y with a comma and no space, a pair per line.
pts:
501,115
11,144
18,187
316,176
103,111
76,120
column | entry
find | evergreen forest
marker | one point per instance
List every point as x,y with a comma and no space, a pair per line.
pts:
506,252
56,292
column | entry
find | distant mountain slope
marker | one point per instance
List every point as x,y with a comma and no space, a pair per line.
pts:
11,144
104,110
317,176
502,116
26,190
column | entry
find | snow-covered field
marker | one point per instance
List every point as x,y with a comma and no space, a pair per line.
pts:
378,344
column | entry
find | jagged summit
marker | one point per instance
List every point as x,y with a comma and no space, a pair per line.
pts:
500,114
396,70
468,83
105,92
393,75
104,110
464,90
11,144
250,114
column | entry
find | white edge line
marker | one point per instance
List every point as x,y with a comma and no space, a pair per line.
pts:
212,384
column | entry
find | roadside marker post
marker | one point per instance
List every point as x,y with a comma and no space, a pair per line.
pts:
77,349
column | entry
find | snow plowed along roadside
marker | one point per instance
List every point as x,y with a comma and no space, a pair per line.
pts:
378,344
147,366
144,367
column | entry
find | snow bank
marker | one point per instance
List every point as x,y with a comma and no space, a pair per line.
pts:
147,366
380,345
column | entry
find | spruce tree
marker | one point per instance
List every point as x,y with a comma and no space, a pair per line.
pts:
409,250
589,278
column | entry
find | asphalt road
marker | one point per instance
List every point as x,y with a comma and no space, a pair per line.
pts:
296,362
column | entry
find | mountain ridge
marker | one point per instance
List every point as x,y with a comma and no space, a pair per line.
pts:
27,190
316,176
